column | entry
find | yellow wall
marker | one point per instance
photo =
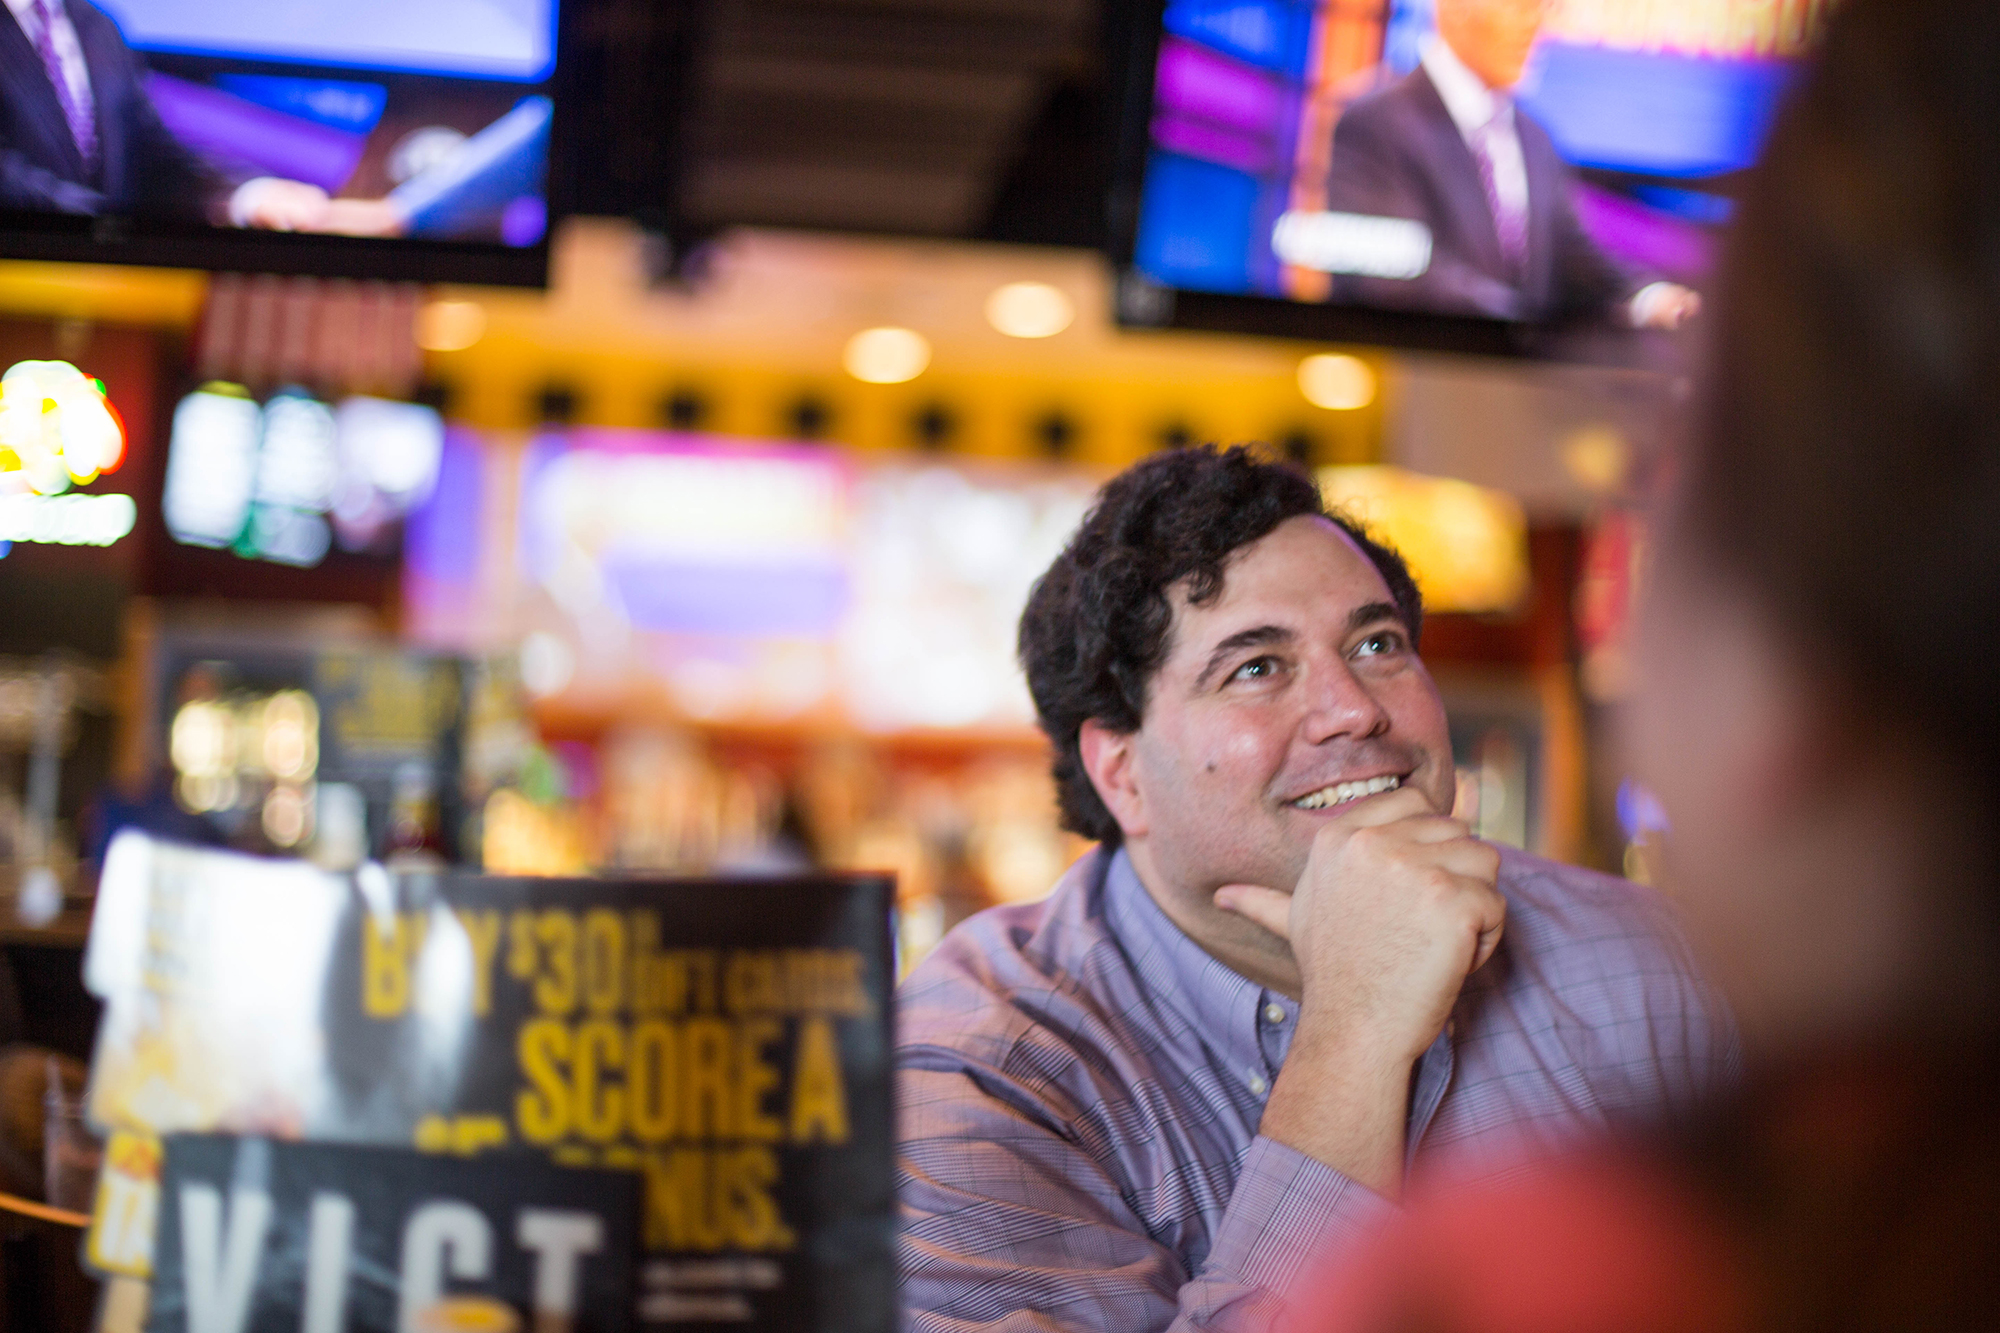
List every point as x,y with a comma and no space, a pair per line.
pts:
769,324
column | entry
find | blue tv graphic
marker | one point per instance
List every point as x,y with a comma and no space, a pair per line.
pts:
1195,224
514,40
335,103
1652,113
1270,34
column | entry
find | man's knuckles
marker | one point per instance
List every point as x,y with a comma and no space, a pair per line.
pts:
1452,903
1381,844
1408,858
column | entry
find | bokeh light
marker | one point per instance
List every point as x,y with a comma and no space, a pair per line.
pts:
1597,458
1336,381
290,738
450,326
1029,310
887,355
1467,546
547,664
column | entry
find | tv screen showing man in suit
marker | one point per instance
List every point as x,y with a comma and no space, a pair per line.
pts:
1448,147
385,118
1529,161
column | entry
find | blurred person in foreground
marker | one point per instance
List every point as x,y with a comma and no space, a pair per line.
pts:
1817,713
1286,977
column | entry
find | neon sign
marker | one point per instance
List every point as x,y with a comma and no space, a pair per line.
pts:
56,429
66,520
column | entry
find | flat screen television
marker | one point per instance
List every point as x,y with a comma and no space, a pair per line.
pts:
397,139
1507,176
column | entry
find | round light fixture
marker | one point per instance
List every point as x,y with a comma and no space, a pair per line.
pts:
1336,381
450,326
886,355
1029,310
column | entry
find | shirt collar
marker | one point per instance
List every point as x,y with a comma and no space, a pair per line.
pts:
1217,1003
1471,103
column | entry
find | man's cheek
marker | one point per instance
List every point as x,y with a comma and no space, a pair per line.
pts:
1232,755
1416,713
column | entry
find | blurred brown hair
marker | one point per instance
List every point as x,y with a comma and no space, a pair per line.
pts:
1847,470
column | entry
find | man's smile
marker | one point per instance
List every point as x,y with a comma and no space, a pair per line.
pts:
1340,793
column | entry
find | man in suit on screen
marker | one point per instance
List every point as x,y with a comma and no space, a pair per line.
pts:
79,134
1448,147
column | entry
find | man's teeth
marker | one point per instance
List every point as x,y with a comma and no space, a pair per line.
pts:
1342,792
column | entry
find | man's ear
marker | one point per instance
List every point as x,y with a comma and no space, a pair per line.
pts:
1109,760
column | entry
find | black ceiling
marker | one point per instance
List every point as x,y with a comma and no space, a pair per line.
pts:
960,118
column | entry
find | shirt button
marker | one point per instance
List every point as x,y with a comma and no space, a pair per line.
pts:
1259,1084
1274,1013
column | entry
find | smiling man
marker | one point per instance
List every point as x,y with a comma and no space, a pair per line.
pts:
1286,977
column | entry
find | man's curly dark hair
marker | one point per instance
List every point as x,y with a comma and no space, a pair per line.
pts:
1097,623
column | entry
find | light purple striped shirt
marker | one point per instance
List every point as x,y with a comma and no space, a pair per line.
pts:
1080,1084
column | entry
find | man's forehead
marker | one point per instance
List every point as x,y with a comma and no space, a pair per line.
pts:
1308,563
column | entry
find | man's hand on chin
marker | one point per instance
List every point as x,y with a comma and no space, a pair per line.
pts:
1397,907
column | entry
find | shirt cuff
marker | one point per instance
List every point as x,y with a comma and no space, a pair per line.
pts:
243,200
1288,1209
1645,302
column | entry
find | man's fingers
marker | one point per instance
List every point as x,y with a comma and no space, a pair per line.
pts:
1468,857
1430,829
1489,940
1266,907
1492,919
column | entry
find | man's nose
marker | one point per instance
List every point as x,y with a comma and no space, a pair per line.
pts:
1339,704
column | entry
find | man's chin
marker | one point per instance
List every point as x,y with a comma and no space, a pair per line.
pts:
1249,949
1279,874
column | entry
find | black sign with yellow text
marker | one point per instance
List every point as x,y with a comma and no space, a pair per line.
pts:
727,1041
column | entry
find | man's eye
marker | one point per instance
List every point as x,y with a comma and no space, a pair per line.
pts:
1376,645
1258,668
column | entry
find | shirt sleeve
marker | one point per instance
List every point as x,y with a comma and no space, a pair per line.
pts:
1011,1224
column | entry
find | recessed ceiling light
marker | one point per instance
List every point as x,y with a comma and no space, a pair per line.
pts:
1029,310
450,326
887,355
1336,381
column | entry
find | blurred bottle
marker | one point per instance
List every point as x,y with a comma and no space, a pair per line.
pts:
664,802
71,1154
1015,847
416,840
535,825
497,750
340,841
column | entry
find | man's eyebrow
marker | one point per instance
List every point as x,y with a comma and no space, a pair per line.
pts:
1369,613
1259,637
